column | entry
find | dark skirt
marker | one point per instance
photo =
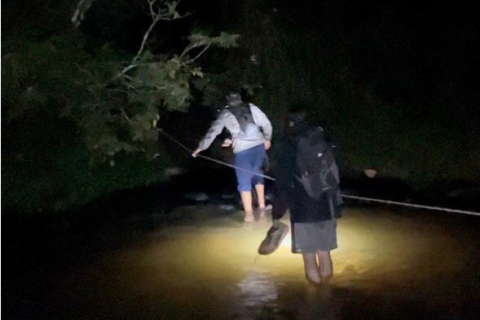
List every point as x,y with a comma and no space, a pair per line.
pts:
314,236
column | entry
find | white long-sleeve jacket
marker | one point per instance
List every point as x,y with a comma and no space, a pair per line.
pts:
240,142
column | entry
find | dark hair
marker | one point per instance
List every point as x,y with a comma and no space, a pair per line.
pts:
297,113
234,98
298,119
233,92
299,107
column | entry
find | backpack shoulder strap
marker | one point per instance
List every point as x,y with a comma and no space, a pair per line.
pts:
243,114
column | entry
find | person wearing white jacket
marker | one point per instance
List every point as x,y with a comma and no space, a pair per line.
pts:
251,133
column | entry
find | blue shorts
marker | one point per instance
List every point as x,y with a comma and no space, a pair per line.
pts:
250,160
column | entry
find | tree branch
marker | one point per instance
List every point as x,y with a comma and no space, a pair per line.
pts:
166,15
200,54
144,41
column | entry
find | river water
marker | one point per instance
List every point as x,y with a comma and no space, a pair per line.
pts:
201,263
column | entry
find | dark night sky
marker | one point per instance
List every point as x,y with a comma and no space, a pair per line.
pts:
415,53
408,51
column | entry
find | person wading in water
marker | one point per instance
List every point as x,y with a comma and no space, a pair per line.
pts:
307,183
251,133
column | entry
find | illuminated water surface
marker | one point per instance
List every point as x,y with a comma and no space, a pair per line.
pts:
387,266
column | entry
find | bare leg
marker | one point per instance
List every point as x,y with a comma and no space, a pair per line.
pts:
247,205
311,267
325,263
260,188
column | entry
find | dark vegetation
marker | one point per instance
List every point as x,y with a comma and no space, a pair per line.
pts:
393,84
84,170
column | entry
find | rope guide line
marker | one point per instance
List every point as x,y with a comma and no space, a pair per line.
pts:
343,195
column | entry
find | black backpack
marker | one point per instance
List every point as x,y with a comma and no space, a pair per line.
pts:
316,170
243,114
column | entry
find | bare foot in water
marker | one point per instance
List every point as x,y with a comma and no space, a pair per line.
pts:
314,277
312,271
249,217
325,265
262,212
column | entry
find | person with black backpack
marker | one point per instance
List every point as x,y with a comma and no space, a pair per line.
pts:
307,183
251,133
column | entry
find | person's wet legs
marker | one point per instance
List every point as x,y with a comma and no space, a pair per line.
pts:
325,264
247,205
311,267
244,180
257,179
260,189
248,165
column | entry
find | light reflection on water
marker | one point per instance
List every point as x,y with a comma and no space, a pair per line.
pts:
209,268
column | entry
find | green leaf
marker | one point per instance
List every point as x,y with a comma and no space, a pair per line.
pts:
173,64
146,57
199,40
226,40
172,8
197,72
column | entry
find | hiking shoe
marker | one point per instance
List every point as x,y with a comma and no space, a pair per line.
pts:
273,239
